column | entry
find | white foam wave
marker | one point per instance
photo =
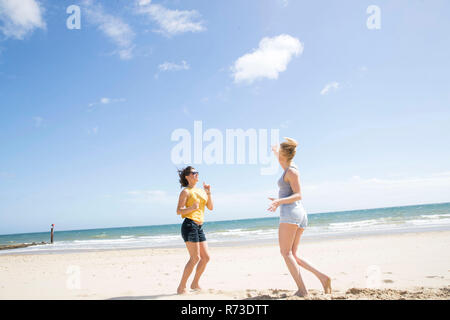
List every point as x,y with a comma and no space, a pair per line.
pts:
126,237
434,216
420,222
354,224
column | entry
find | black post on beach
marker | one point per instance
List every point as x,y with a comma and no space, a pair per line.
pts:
51,235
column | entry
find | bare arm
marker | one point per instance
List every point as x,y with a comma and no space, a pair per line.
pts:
181,208
293,178
209,203
276,151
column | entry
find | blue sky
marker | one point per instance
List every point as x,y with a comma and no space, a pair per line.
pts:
86,115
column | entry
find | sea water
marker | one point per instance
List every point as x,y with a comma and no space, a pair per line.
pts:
321,226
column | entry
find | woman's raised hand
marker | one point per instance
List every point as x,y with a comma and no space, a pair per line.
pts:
207,188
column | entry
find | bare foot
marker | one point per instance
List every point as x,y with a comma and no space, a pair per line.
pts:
326,283
181,290
196,287
302,294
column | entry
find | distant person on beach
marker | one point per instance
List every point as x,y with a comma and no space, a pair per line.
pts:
191,207
293,217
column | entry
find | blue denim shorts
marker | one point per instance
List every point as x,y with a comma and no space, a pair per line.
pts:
293,214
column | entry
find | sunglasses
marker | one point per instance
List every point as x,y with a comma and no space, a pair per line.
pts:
194,172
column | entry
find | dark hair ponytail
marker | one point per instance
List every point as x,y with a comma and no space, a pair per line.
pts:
182,174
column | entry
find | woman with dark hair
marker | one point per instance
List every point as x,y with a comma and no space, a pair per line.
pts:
191,207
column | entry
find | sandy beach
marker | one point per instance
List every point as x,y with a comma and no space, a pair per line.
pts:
395,266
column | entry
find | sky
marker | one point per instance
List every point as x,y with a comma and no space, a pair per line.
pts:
89,104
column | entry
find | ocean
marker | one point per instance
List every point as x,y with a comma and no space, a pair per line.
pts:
321,226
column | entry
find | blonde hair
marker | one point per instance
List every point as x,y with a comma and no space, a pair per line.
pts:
288,148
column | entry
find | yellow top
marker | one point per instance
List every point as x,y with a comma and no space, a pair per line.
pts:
196,194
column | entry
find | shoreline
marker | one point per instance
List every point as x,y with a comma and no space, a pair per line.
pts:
242,243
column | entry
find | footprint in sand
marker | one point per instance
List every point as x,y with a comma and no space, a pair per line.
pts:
388,281
214,291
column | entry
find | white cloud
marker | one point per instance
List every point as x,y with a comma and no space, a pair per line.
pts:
38,121
170,66
284,3
363,69
7,175
93,131
285,124
119,32
20,17
271,58
106,100
330,86
171,22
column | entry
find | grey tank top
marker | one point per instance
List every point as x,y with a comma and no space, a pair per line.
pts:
285,187
295,209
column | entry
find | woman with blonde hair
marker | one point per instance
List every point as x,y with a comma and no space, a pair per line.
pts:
293,217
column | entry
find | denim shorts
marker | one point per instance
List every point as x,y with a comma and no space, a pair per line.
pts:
192,232
293,214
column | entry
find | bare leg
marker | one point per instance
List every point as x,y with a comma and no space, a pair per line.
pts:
286,236
204,258
194,253
324,279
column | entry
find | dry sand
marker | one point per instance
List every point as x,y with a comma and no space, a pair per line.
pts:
397,266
